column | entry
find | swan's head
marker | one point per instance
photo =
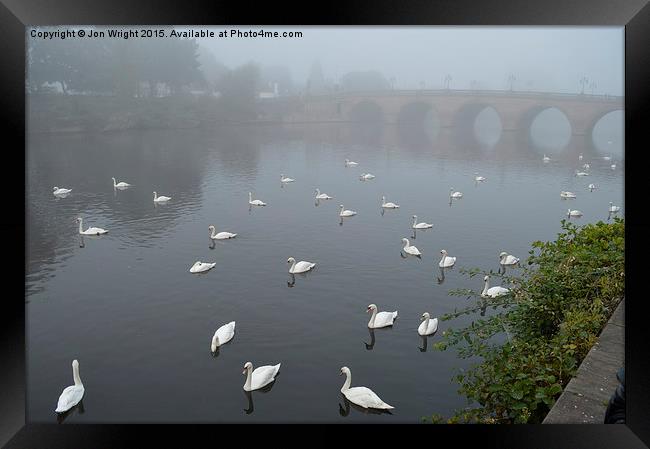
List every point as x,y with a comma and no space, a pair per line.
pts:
247,366
75,364
155,193
79,219
210,227
215,342
55,188
345,370
341,206
113,179
444,251
503,254
405,240
486,277
291,260
415,216
371,308
425,315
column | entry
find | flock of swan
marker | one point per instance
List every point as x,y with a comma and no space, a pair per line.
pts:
264,375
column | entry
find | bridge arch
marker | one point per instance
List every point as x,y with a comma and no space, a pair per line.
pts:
468,123
527,127
366,111
418,121
599,136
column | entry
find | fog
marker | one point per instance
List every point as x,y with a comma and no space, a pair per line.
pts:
551,59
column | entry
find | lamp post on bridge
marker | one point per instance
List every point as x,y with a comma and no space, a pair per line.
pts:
511,80
593,86
448,79
584,80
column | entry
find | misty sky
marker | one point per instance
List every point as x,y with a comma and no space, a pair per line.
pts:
541,58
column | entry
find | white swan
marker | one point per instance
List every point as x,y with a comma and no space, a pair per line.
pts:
453,194
253,202
120,185
220,236
285,179
546,158
322,196
564,194
200,267
349,163
388,205
581,173
412,250
361,396
346,213
366,176
613,166
161,198
91,230
300,267
574,213
60,191
591,187
607,158
492,292
446,261
261,377
381,319
580,157
507,259
71,395
422,225
478,178
586,166
223,335
428,326
613,208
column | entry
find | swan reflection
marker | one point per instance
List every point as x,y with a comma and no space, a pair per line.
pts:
370,345
441,275
249,395
344,410
61,417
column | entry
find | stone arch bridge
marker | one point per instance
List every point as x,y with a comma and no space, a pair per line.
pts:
451,108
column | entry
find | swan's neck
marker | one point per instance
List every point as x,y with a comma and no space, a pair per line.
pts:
80,225
415,220
406,244
215,342
372,318
250,196
155,195
214,232
348,381
249,378
317,192
293,265
114,184
426,323
442,261
487,286
75,375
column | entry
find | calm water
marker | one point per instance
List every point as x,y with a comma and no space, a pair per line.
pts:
140,324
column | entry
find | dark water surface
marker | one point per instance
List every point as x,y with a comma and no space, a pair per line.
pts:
140,324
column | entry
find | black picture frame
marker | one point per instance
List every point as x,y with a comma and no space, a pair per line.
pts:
634,15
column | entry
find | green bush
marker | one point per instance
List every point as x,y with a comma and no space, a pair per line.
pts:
532,346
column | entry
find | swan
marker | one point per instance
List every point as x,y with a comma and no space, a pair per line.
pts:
412,250
478,178
300,267
349,163
346,213
613,166
388,205
564,194
580,157
574,213
253,202
261,377
453,194
120,185
586,166
200,267
446,261
508,259
428,326
607,158
91,230
581,173
361,396
223,335
546,158
381,319
492,292
366,176
60,191
613,208
71,395
420,225
285,180
161,198
220,236
591,187
322,196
